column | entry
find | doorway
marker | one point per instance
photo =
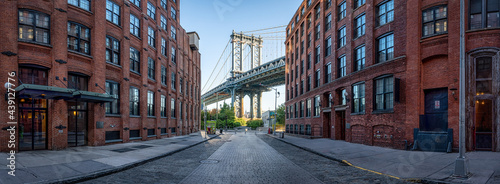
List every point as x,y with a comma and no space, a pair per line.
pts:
32,124
436,111
340,125
77,124
327,132
483,128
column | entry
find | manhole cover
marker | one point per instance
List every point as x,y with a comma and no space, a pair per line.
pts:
141,146
123,150
209,161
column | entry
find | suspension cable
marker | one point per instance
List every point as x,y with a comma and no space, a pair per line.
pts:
217,63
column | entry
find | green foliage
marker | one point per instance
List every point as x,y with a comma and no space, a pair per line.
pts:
240,122
281,115
255,123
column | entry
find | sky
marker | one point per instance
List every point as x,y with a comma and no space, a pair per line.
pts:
214,21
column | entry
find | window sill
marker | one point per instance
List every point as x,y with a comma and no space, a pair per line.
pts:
379,26
36,43
390,111
134,72
358,37
114,64
113,141
164,134
135,138
113,115
358,113
151,136
482,29
113,24
135,116
135,36
433,35
88,12
152,117
81,54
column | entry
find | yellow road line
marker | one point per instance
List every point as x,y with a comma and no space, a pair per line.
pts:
346,162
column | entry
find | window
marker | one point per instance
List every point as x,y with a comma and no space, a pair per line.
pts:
112,12
112,50
385,12
151,10
135,26
434,21
484,75
309,61
151,69
34,26
78,38
328,72
173,13
308,129
164,47
134,60
296,110
163,21
317,54
360,26
302,87
385,48
308,3
317,105
135,134
302,67
163,75
302,47
328,4
173,33
358,3
358,91
308,108
151,103
296,71
84,4
164,4
317,79
318,30
174,60
134,99
484,14
309,38
384,96
328,23
78,82
33,76
359,56
308,83
341,37
136,2
180,110
302,109
172,82
342,10
151,37
343,97
180,85
341,67
328,48
163,106
113,89
318,11
302,11
172,107
151,132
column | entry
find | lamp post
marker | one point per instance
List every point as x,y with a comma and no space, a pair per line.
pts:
205,107
461,164
275,109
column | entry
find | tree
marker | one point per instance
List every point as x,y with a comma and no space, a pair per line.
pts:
281,115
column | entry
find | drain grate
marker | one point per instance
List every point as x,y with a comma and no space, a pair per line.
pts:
209,161
141,146
123,150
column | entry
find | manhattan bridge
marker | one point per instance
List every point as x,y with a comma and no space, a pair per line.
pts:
256,64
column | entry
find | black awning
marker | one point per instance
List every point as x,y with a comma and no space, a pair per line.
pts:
87,96
43,92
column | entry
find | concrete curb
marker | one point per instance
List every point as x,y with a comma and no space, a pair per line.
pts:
104,172
413,180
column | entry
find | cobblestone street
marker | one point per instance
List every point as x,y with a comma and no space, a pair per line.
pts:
244,158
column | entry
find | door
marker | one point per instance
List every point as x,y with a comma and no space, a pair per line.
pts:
341,125
436,111
483,128
32,124
77,124
327,125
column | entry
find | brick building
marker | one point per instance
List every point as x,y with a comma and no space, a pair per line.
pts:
97,72
386,72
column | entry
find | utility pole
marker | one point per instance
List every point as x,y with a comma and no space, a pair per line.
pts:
462,164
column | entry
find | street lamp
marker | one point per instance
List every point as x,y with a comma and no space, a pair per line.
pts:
277,94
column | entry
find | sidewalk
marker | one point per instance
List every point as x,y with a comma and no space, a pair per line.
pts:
78,163
418,165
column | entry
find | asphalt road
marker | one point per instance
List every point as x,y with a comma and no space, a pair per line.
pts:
244,158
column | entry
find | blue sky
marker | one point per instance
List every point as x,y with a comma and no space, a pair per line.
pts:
214,21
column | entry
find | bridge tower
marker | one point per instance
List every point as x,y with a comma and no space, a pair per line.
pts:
239,41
